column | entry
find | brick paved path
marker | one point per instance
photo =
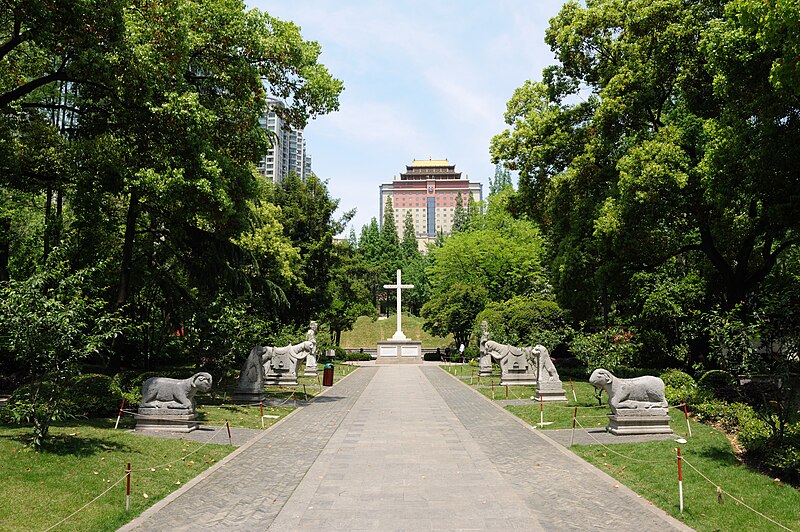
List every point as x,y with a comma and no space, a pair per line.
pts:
403,448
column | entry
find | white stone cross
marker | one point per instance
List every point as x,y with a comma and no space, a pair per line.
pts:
398,335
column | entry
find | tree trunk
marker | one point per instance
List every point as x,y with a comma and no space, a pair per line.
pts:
48,222
5,242
126,270
126,266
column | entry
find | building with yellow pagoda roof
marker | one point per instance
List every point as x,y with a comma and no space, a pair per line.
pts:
428,190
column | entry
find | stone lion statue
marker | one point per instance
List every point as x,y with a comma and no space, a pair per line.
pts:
640,393
175,394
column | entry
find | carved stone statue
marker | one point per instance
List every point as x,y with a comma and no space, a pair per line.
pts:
311,358
485,358
174,394
548,383
638,406
516,368
250,386
168,404
283,362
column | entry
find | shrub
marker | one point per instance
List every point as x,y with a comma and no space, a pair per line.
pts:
719,384
728,416
95,395
679,387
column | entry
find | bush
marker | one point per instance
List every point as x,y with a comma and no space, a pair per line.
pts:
95,395
21,406
728,416
363,357
679,387
719,384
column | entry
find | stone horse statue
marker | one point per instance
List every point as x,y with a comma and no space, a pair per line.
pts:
281,363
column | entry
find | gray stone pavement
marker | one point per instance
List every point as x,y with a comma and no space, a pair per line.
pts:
403,448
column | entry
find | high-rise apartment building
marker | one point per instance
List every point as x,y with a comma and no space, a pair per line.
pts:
288,152
428,190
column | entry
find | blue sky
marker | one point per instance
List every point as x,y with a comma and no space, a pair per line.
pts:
423,79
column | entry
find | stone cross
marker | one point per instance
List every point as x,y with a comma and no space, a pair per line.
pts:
398,335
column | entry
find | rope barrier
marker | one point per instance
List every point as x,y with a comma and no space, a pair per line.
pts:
87,504
598,442
738,501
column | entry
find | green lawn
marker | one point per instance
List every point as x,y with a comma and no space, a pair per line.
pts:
367,333
84,459
650,469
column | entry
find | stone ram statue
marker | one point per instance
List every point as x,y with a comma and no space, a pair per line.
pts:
641,393
174,394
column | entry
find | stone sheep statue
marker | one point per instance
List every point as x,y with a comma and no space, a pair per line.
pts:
640,394
174,394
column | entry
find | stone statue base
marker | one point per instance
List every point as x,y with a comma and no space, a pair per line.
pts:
165,420
248,397
639,422
551,391
517,378
485,372
280,378
400,352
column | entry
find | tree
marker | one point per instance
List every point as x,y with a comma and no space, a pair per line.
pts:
501,181
459,215
680,150
351,294
163,101
308,222
454,311
500,253
51,322
408,246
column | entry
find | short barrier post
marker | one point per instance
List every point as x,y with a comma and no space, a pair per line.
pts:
128,489
492,389
506,391
680,480
472,375
574,419
119,415
305,394
573,391
686,413
228,426
261,405
541,411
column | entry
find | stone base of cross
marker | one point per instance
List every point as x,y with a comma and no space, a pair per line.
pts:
398,335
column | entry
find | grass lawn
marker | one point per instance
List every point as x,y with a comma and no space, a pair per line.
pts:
84,459
367,333
650,469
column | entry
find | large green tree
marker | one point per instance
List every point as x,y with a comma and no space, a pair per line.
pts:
668,130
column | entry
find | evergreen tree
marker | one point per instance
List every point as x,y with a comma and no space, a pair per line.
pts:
409,244
351,238
389,239
502,179
473,212
459,216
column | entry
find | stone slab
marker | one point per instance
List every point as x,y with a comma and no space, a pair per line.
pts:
400,352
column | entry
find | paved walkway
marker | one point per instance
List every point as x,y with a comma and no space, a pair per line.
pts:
402,448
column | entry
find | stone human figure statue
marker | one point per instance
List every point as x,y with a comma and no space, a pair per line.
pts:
485,358
548,383
311,357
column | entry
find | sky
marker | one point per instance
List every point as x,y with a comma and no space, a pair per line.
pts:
423,79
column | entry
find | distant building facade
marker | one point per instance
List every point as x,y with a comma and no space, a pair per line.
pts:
288,152
428,190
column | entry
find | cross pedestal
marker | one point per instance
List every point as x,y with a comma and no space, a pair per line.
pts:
399,348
